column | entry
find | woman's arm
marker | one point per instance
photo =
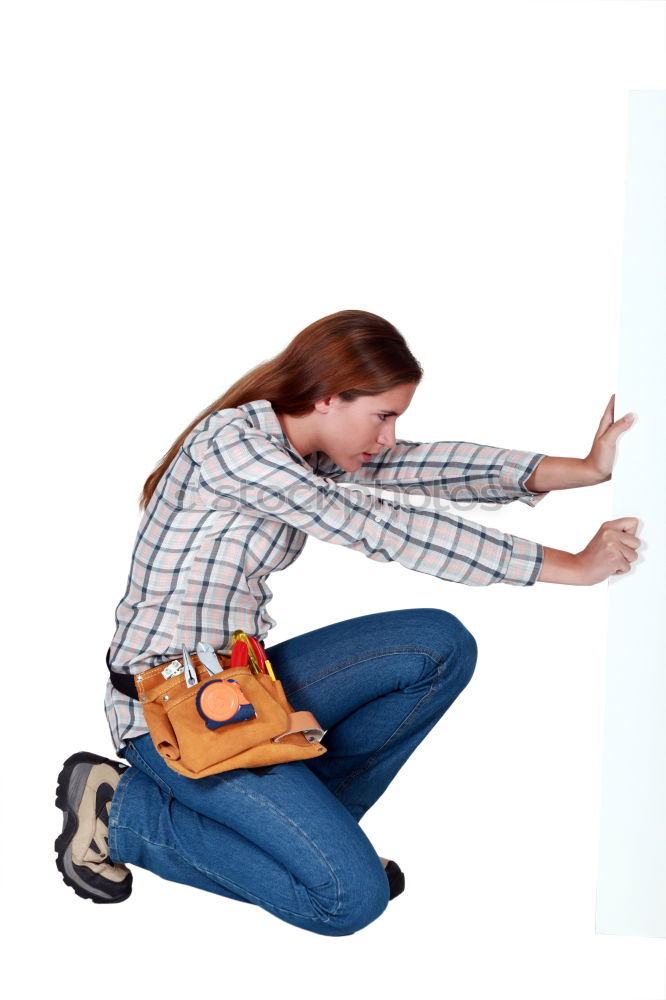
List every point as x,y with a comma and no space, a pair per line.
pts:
455,470
558,567
555,473
244,473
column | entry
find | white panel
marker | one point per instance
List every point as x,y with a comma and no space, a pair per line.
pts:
631,892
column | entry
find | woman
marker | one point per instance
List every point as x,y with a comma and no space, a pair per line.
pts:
235,498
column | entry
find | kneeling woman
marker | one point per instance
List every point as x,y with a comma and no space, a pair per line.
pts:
235,498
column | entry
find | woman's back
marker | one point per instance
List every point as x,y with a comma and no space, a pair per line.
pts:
199,566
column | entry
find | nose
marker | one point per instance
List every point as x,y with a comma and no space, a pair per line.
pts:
387,437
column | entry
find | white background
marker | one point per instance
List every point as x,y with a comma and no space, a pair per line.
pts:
188,185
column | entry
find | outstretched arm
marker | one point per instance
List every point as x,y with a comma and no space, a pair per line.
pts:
556,473
244,472
457,470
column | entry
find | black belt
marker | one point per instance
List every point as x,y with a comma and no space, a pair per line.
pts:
122,682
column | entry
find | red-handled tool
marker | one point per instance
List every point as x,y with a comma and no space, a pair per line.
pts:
260,653
257,657
253,660
239,654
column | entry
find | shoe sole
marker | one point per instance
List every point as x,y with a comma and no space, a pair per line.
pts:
69,792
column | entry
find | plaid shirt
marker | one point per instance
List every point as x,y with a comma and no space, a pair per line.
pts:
238,502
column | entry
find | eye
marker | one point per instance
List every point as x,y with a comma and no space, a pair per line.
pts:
382,416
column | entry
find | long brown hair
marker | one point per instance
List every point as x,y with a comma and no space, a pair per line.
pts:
349,353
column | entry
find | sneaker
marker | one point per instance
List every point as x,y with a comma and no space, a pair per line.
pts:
85,788
395,876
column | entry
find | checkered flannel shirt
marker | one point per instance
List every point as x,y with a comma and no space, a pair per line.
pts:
238,502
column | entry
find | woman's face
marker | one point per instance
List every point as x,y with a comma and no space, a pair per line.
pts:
349,432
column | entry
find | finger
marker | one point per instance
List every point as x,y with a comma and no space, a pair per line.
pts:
624,421
625,566
628,553
622,565
629,524
614,430
624,538
607,418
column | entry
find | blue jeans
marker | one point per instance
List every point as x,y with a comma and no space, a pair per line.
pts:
287,837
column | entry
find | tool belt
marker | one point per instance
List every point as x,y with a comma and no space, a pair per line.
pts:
209,712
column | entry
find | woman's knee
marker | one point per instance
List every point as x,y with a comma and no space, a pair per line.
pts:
360,898
453,643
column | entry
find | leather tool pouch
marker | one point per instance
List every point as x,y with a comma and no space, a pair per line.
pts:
273,733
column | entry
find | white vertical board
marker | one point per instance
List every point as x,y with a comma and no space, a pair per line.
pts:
631,890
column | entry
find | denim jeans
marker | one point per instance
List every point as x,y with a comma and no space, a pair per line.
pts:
287,837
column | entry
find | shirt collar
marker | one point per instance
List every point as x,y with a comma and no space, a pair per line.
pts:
263,415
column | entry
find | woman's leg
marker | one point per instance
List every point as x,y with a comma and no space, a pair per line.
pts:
377,684
276,837
286,837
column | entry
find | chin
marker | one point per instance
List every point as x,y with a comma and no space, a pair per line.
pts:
349,464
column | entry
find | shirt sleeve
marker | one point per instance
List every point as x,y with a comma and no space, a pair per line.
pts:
245,471
457,470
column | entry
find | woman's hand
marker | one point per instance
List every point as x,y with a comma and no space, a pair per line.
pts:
599,462
611,551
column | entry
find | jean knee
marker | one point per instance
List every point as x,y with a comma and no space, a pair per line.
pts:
361,899
467,654
456,645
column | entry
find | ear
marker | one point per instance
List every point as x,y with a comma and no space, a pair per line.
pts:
323,405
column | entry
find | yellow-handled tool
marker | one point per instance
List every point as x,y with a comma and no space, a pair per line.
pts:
259,663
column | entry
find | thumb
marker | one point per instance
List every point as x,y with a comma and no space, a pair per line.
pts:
621,425
628,524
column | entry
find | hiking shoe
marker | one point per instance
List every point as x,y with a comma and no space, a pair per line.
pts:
85,788
395,876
